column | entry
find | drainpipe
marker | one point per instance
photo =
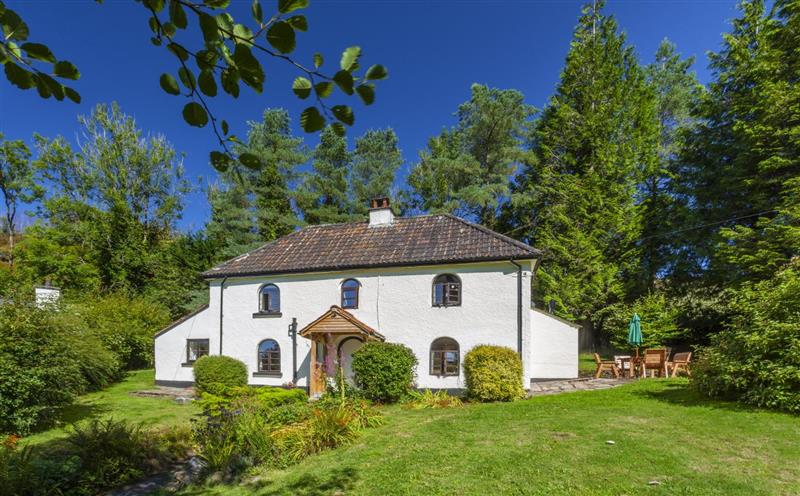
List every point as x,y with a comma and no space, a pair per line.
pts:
221,299
293,334
519,306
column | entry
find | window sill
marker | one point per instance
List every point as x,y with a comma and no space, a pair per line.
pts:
267,374
266,315
188,364
445,306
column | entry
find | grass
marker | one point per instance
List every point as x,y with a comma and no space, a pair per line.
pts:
117,402
586,364
556,445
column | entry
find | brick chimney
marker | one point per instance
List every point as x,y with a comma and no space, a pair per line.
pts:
380,212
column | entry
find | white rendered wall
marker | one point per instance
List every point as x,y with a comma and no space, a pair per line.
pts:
394,301
554,347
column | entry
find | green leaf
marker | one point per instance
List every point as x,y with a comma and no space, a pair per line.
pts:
38,51
376,71
169,84
350,57
209,27
187,78
220,161
177,15
250,160
230,81
168,29
318,60
286,6
258,13
217,4
301,87
155,5
72,94
207,83
324,89
206,59
42,88
155,41
344,114
339,129
344,80
249,68
18,76
298,22
367,93
66,70
224,125
179,51
311,120
55,87
242,33
195,115
225,24
13,26
281,36
153,23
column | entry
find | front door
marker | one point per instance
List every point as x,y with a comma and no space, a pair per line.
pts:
346,348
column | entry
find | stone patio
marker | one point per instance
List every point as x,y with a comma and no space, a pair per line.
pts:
180,395
541,388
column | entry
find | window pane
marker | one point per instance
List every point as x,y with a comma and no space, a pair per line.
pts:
438,294
270,299
196,348
436,362
349,298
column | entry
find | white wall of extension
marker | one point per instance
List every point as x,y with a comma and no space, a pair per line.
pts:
554,347
394,301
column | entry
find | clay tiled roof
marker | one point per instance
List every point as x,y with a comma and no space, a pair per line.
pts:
408,241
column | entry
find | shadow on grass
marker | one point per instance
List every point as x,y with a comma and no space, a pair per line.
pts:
679,393
340,480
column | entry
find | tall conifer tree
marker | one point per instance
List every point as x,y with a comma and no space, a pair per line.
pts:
466,170
577,197
376,159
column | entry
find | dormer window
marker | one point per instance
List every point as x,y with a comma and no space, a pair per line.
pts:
446,291
269,299
350,289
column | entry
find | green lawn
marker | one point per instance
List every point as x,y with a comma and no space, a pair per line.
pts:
117,402
556,445
586,364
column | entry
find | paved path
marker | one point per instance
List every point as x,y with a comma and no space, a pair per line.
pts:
541,388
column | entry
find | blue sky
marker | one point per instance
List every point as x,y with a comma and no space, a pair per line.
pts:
434,51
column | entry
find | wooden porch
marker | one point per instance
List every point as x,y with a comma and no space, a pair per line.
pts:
327,333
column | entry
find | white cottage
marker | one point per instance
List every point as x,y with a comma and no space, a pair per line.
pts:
436,283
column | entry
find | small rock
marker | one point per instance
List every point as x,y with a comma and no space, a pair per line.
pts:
610,442
182,400
654,483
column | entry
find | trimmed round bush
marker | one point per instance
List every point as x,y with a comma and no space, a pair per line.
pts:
384,371
219,369
493,373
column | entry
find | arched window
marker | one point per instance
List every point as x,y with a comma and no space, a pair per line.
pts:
446,291
350,293
444,357
269,299
269,356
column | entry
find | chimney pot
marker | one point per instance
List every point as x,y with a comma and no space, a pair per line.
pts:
380,213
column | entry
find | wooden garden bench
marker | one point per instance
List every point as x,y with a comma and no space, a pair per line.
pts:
679,362
605,366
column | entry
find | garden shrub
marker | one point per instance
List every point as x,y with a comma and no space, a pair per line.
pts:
659,319
493,373
756,359
211,371
127,326
46,358
265,398
96,456
384,371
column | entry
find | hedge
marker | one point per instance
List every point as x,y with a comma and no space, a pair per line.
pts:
211,371
493,373
384,371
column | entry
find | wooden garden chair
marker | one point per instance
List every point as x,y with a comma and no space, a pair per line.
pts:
656,361
605,366
679,362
